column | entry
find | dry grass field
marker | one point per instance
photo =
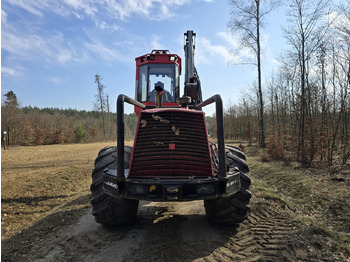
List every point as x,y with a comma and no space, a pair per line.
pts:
37,180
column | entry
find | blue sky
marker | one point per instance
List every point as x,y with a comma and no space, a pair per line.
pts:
51,50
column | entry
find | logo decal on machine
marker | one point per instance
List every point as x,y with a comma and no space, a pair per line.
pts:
112,184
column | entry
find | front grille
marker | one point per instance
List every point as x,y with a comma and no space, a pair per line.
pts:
171,143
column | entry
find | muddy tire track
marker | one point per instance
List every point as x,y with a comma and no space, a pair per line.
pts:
266,236
175,232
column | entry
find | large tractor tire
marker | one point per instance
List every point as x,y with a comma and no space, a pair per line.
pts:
110,211
233,209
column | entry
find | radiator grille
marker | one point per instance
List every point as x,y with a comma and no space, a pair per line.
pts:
171,143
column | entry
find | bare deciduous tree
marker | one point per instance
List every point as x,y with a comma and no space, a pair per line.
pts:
101,103
247,18
305,33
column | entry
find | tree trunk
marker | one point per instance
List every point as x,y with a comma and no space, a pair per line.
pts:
261,103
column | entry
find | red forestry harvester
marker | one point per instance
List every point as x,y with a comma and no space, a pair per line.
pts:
172,158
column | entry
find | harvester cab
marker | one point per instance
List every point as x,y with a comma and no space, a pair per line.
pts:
157,79
172,158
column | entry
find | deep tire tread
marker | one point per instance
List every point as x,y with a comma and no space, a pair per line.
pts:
236,151
233,209
110,211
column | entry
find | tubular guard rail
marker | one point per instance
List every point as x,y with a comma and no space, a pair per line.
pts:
220,130
120,132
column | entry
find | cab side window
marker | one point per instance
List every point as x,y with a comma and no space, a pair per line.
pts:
142,89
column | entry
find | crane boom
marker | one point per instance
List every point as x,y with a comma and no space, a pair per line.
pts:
192,82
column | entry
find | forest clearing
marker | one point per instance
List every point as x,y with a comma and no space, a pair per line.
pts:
296,214
274,186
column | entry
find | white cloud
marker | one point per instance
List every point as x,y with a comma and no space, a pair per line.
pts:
117,9
64,8
210,53
229,38
339,21
241,54
64,56
31,47
105,26
3,16
55,80
87,6
9,71
30,6
150,9
155,43
104,52
276,62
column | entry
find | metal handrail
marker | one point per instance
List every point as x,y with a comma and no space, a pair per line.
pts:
120,131
220,130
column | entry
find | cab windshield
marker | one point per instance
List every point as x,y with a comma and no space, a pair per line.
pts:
152,75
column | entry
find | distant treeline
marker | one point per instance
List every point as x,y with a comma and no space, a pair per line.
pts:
321,136
34,126
326,136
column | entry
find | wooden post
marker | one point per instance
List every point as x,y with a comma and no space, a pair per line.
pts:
4,139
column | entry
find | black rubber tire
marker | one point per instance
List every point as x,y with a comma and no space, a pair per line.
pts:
233,209
110,211
235,150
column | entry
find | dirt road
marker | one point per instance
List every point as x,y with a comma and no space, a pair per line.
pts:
296,215
166,232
